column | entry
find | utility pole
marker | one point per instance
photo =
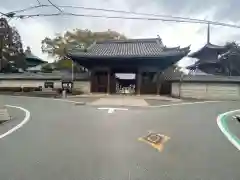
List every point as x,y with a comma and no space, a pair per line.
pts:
208,33
72,71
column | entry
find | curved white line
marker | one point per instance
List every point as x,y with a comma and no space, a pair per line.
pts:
223,129
25,120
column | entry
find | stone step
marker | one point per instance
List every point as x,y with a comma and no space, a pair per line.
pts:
4,115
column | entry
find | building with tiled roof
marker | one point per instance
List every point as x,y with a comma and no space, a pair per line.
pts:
32,60
140,56
214,59
208,53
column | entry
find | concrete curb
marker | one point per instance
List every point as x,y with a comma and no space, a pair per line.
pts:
4,115
24,121
222,124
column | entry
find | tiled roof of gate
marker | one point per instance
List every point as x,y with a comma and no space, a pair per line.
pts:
129,48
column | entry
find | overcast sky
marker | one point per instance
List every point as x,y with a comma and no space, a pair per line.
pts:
33,30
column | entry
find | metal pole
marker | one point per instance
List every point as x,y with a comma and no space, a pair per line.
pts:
1,53
72,70
180,84
208,33
64,93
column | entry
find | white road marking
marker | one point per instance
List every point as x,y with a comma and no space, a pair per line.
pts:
25,120
225,130
112,110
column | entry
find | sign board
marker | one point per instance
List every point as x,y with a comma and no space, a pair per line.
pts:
67,85
49,84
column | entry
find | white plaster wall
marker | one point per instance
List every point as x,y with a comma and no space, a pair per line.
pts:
213,91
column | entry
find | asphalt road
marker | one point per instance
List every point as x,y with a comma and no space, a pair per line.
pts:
233,124
17,116
67,142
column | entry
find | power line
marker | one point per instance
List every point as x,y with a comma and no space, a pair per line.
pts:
107,10
31,7
129,12
128,18
55,6
3,14
172,18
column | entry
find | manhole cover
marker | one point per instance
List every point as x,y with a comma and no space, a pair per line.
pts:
155,140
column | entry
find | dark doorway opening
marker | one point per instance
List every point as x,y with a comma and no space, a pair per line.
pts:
99,82
125,83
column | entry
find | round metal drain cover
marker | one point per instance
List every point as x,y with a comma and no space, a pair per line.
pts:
154,138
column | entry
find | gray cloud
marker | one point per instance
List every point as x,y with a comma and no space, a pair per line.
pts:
221,10
225,9
229,11
173,34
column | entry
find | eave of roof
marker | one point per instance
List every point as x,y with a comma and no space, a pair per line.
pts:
197,65
163,54
208,46
131,48
31,57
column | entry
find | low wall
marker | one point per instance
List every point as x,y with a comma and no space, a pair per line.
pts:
83,86
28,83
21,81
211,88
206,91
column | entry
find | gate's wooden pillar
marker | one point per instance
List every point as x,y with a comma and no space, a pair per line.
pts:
158,82
108,81
92,81
139,82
